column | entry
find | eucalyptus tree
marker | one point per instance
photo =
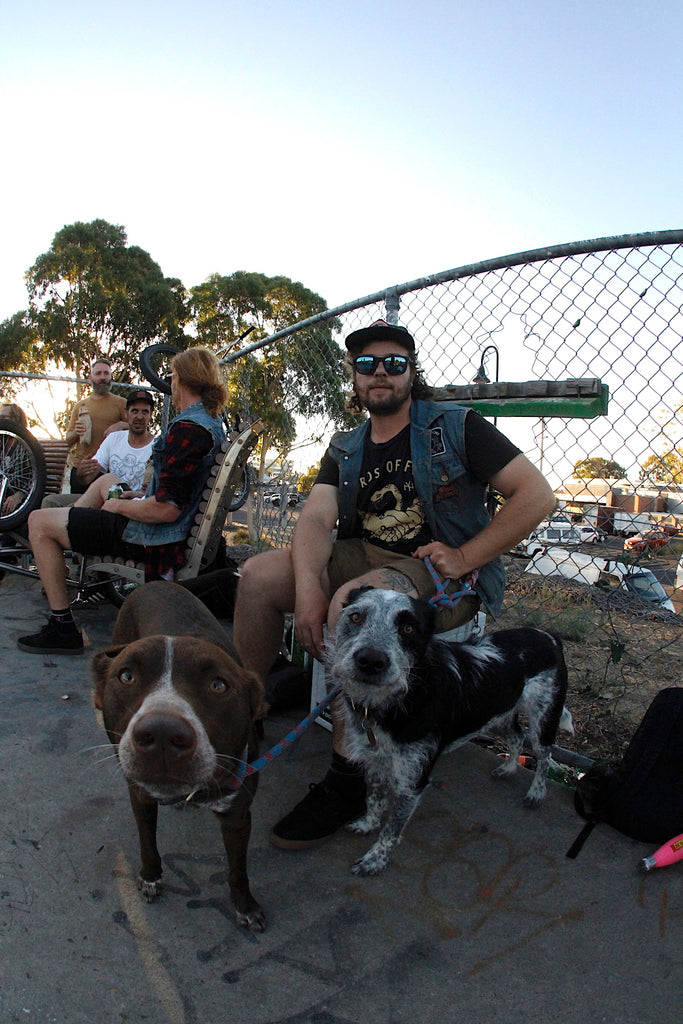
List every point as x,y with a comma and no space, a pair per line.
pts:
294,379
93,295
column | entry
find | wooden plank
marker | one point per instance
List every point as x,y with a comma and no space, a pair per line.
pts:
576,398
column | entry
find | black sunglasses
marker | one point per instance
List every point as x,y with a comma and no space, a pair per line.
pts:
394,365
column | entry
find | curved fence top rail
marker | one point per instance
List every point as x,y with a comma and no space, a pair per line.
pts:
607,244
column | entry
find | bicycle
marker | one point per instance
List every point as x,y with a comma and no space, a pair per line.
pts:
23,474
154,366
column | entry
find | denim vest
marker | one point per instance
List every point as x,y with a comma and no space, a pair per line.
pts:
154,534
453,500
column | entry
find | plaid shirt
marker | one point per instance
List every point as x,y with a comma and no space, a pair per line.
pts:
186,445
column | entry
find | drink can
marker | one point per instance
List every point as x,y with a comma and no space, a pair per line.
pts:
115,492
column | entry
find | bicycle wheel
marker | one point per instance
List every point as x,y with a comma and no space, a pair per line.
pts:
242,492
154,365
22,474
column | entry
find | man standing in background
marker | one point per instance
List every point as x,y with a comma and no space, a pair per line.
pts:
91,420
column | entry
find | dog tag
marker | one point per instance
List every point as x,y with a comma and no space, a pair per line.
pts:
368,730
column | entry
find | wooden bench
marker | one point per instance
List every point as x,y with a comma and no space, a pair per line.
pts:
55,454
206,532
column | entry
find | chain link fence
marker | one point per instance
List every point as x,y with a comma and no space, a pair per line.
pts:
595,329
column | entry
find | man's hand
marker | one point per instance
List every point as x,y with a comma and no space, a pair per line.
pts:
310,614
11,503
87,470
448,562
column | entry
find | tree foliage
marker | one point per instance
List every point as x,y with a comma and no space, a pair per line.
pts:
307,479
598,468
92,294
297,376
666,468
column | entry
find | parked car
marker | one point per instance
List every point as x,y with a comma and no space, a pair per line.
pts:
590,534
649,541
274,499
600,572
645,584
557,531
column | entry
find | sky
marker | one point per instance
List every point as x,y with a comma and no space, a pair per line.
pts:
350,146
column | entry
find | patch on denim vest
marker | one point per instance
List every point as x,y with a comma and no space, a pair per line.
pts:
438,446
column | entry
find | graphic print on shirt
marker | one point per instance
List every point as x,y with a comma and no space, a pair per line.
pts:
390,513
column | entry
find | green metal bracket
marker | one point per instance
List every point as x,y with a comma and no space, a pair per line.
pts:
582,398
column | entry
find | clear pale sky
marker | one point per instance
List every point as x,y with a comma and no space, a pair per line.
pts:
347,145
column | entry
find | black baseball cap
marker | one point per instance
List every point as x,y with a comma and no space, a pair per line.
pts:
140,395
380,330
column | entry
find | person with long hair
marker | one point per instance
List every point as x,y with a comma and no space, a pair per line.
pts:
152,529
408,484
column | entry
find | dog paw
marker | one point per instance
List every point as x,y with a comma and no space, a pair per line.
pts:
370,864
532,802
504,770
363,826
254,920
150,890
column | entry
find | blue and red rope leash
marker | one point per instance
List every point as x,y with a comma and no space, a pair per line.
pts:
441,599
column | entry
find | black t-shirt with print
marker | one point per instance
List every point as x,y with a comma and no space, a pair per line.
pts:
389,512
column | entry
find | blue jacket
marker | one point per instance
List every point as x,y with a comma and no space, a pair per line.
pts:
154,534
454,501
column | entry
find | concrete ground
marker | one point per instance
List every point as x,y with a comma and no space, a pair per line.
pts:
480,917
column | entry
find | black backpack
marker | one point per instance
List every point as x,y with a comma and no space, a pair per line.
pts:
641,795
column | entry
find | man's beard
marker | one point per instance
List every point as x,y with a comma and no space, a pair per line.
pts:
101,389
385,402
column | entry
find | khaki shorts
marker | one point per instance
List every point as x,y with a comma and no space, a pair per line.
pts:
355,557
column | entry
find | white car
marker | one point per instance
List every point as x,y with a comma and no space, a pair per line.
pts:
590,534
601,572
557,531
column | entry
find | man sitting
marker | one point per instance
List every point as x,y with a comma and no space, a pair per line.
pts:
152,529
124,454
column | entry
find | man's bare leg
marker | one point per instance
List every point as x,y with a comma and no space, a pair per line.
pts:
49,539
97,493
264,594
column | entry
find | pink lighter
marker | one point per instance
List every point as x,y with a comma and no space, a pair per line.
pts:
669,853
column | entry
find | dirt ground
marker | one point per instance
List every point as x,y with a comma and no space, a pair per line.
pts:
619,652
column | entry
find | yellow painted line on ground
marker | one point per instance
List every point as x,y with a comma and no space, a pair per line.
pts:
134,907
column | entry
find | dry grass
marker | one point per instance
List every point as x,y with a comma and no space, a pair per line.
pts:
619,652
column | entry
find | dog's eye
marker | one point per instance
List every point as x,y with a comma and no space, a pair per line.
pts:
218,686
407,629
126,676
356,617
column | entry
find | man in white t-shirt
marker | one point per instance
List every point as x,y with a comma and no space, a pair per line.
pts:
124,453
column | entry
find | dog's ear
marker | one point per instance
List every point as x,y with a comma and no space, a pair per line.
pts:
99,668
426,615
258,705
355,594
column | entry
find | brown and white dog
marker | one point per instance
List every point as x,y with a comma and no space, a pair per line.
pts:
408,696
180,711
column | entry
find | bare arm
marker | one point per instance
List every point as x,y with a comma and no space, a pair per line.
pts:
147,510
529,499
311,549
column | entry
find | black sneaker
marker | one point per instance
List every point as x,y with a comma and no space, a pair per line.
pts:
317,817
50,641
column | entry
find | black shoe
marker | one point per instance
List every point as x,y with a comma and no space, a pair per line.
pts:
50,641
317,817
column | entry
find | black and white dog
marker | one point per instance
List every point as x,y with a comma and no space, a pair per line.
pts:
407,696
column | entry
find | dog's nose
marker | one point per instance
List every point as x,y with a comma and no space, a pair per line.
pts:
371,661
157,735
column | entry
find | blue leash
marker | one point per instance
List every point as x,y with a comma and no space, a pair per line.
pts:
440,599
443,600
